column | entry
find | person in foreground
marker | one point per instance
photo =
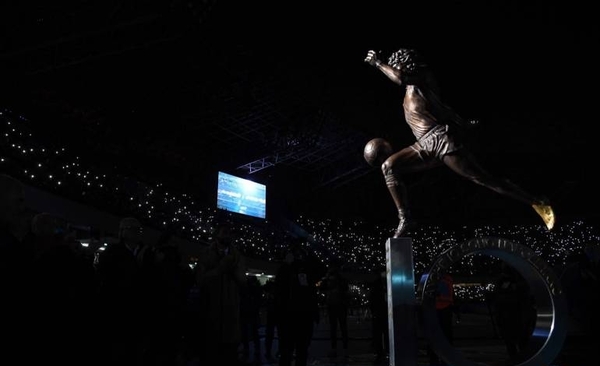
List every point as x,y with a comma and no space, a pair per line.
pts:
434,126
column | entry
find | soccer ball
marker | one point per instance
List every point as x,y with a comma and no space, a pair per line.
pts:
377,151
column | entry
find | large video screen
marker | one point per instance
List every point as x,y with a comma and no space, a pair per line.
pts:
241,196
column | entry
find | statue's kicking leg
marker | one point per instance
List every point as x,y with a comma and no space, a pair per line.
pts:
465,165
540,205
398,191
406,161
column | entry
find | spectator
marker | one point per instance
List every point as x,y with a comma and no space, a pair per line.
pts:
297,306
336,289
221,275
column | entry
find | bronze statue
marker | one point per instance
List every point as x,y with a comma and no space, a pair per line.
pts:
434,126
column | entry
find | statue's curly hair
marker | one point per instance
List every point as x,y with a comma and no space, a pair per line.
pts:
409,61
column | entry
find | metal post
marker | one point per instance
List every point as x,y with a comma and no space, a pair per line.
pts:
402,317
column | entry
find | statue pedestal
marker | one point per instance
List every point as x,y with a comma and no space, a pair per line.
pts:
549,333
402,316
550,327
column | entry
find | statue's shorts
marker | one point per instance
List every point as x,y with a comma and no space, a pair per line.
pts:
436,143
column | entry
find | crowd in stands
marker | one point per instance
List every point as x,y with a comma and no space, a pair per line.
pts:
357,243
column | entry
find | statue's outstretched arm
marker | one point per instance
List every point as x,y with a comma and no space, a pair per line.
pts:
393,74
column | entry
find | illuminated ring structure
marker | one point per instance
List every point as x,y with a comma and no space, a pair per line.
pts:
551,323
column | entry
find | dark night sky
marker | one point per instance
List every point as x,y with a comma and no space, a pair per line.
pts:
528,72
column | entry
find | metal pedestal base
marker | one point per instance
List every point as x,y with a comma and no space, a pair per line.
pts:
402,316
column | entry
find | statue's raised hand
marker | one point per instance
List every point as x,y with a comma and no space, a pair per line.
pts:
372,58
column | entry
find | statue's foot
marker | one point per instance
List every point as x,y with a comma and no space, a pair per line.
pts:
402,227
546,213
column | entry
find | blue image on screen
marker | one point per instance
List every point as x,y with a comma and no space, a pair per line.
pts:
241,196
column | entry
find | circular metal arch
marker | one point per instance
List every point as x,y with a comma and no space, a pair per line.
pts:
551,323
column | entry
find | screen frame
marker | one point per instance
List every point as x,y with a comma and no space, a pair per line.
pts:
251,184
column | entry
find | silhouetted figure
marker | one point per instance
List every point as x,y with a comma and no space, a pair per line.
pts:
120,294
195,320
251,303
514,312
15,267
271,317
297,306
64,285
221,274
379,315
580,281
437,143
171,281
336,290
444,306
